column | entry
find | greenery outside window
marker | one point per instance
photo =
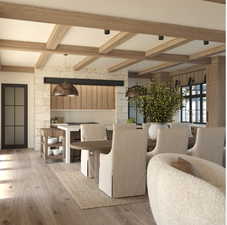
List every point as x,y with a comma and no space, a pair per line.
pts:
194,104
134,113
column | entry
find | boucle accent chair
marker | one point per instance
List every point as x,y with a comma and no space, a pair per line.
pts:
178,198
209,144
122,172
90,132
170,140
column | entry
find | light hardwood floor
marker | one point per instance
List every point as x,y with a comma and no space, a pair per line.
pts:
30,194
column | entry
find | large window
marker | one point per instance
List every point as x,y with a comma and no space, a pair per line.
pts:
194,104
133,113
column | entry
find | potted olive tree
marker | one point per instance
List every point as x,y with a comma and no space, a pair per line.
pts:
158,103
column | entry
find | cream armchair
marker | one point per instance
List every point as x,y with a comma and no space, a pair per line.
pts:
90,132
178,198
209,144
122,171
170,140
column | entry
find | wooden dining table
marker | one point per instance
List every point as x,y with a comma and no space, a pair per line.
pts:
95,148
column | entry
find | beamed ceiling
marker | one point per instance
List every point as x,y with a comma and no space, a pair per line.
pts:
38,35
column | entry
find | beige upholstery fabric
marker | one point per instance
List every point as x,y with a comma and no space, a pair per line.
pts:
209,144
90,132
178,198
122,171
170,140
126,125
182,125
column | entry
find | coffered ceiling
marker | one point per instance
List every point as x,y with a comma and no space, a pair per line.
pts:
43,44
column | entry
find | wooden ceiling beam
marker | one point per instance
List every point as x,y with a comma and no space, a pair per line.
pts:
73,18
152,53
166,46
107,47
84,62
54,40
87,51
115,41
197,56
158,68
216,1
208,52
123,64
18,69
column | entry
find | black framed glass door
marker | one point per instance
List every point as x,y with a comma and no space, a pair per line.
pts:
14,116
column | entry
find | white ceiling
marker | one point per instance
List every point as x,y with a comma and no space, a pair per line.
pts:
192,13
142,42
104,63
142,65
178,67
25,30
64,61
87,36
18,58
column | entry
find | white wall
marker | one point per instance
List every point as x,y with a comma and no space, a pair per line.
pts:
22,78
99,116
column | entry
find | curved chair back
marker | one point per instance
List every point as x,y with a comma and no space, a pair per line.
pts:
210,144
93,132
174,140
178,198
183,125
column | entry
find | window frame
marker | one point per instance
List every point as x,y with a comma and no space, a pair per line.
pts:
136,113
190,97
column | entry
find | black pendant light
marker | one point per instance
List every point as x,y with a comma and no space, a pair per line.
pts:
65,88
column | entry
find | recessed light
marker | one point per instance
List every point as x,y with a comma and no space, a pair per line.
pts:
106,32
160,37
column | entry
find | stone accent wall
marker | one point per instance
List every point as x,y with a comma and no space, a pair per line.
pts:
42,95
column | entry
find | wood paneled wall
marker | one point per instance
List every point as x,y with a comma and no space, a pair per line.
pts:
90,97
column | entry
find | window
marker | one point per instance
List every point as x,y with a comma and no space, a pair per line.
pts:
194,104
133,113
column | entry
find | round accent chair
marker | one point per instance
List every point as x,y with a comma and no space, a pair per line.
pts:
178,198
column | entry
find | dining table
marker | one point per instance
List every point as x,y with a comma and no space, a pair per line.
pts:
96,148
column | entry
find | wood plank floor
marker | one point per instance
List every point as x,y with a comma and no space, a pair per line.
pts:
30,194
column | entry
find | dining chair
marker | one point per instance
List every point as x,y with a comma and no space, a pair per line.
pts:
209,144
126,125
174,140
182,125
122,172
90,132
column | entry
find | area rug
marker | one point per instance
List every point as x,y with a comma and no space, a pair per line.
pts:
84,190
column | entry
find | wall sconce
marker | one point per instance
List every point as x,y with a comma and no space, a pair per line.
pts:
190,81
177,83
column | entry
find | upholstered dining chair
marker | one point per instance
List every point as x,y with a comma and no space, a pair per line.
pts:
170,140
178,198
126,125
90,132
122,172
209,144
182,125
